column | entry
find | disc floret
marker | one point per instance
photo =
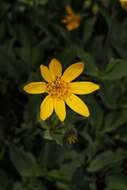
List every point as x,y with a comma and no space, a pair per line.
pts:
58,88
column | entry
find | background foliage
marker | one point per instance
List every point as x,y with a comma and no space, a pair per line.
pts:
36,155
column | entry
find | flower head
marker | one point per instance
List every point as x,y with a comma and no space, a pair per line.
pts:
71,20
124,4
61,90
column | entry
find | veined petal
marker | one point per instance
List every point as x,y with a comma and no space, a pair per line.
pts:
55,68
45,73
83,87
46,108
73,71
35,87
60,109
77,105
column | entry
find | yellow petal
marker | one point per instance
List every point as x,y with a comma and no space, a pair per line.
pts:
35,87
46,108
124,4
70,26
69,10
83,87
77,105
73,71
60,109
73,25
55,68
45,73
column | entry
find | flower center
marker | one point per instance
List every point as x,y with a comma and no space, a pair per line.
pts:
58,88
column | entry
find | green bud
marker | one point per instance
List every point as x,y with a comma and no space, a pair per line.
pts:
95,9
87,4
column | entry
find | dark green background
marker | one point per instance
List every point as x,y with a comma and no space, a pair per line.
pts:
35,155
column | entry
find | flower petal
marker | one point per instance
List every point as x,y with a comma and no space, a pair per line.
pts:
45,73
71,26
60,109
77,105
73,71
46,108
69,10
35,87
55,68
83,87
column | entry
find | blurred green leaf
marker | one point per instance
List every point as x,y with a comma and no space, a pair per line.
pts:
105,160
116,182
72,161
88,29
116,69
96,117
119,42
115,89
35,2
29,184
24,162
5,180
114,120
87,58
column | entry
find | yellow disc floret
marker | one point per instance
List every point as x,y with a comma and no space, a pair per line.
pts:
58,88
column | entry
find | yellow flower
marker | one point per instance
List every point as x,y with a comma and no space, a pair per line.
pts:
71,20
61,90
124,4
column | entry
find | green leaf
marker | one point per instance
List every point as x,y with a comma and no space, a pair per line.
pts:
88,59
4,180
24,162
114,120
114,89
29,184
106,15
33,2
66,171
88,29
54,134
123,102
121,134
70,161
105,160
116,182
119,37
96,117
116,69
18,186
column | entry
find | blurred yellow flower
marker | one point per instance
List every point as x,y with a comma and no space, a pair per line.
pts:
124,4
71,20
61,90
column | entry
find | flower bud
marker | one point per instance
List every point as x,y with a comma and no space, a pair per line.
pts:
87,4
95,9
